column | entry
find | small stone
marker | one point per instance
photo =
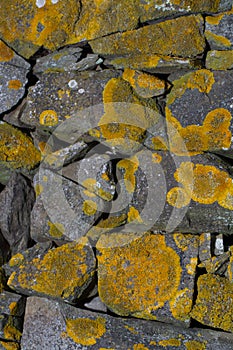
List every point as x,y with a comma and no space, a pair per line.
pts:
67,327
13,77
149,40
12,304
214,306
219,245
216,264
16,202
96,305
219,60
125,258
205,246
218,31
63,273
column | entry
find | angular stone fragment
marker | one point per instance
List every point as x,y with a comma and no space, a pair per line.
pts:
29,25
219,60
13,77
205,246
63,273
149,40
64,210
66,327
164,192
214,306
16,202
96,305
12,304
17,151
218,31
204,125
165,292
94,173
218,245
216,264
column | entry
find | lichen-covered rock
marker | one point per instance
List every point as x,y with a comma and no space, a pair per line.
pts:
213,306
218,31
219,60
9,345
66,327
17,152
13,77
64,210
16,202
205,245
63,273
204,126
10,328
12,304
165,291
165,192
149,40
28,25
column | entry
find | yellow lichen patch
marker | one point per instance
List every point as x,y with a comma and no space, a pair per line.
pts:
89,207
219,60
10,345
214,20
145,85
181,305
134,292
191,267
48,118
38,189
86,331
56,229
92,186
152,342
207,185
178,197
159,143
89,194
14,84
195,345
13,307
17,149
16,260
130,166
10,332
133,215
183,241
139,347
131,329
44,148
214,306
58,273
6,54
170,342
218,39
156,158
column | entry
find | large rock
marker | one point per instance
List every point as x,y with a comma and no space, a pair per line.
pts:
13,73
66,327
219,60
62,273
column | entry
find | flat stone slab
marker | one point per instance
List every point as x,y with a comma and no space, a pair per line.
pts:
66,327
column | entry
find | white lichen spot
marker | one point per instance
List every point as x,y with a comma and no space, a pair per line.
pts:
40,3
81,91
72,84
54,1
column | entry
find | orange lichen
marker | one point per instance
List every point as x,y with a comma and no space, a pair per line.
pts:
214,306
58,273
181,306
17,149
156,158
48,118
10,345
133,215
56,229
183,241
14,84
10,332
133,291
139,347
178,197
89,207
191,267
218,39
205,184
86,331
195,344
130,166
16,260
6,54
170,342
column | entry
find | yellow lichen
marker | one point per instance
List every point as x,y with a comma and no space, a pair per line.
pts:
14,84
131,329
130,166
156,158
139,347
170,342
214,20
6,54
152,342
135,292
56,229
38,189
195,345
89,207
217,39
10,345
13,307
86,331
207,185
48,118
133,215
10,332
17,149
219,60
191,267
58,273
181,305
183,241
16,260
92,186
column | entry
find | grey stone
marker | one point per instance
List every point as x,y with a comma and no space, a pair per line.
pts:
218,31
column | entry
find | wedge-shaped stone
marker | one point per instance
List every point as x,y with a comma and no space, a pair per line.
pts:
164,38
214,306
165,291
67,327
63,273
219,60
